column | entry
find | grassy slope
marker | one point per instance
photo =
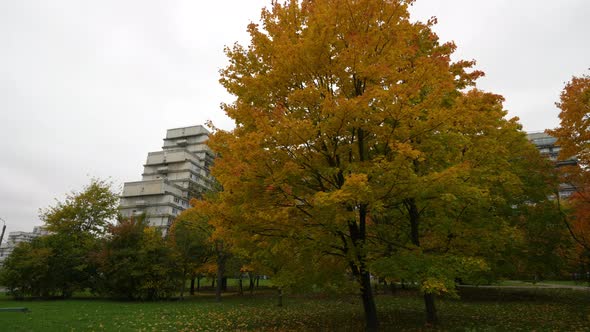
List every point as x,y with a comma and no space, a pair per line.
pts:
478,310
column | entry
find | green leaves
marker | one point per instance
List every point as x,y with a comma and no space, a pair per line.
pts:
432,273
62,262
89,211
135,263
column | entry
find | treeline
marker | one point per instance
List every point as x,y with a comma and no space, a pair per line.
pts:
86,251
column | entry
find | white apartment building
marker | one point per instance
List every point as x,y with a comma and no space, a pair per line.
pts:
548,148
170,178
14,238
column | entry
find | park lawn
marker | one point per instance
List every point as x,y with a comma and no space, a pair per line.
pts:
478,310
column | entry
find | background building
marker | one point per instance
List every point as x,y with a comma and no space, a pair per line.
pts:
14,238
170,178
547,147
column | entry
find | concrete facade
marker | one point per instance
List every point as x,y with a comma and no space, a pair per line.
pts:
170,178
548,148
14,238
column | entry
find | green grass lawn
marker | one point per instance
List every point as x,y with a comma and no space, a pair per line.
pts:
477,310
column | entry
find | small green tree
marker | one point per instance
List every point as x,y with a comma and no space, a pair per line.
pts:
89,211
51,265
189,240
136,263
547,243
25,271
59,263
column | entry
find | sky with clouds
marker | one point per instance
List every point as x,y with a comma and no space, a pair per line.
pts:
87,88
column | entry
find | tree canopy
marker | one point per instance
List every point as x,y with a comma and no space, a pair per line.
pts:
61,262
89,211
573,137
359,137
573,134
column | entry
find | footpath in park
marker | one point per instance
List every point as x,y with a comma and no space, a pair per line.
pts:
529,285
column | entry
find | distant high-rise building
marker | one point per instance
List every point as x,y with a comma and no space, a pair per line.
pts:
14,238
548,148
170,178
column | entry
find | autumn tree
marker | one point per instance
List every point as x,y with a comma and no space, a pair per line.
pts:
573,137
452,214
546,249
189,239
51,266
26,271
205,214
353,125
578,223
573,133
87,212
292,266
61,261
77,224
136,263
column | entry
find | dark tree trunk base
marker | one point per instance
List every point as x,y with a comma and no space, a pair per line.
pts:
280,298
431,317
372,323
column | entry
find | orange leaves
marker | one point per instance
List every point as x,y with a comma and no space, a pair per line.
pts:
580,223
352,118
406,150
573,135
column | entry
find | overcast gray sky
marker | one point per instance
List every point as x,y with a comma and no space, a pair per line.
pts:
87,88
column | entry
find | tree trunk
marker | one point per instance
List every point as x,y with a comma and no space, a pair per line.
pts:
414,215
431,317
358,265
198,284
358,235
183,286
220,269
280,297
363,277
224,280
192,291
251,286
213,283
257,281
369,302
241,288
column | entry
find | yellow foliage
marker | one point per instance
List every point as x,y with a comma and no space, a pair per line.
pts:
433,286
